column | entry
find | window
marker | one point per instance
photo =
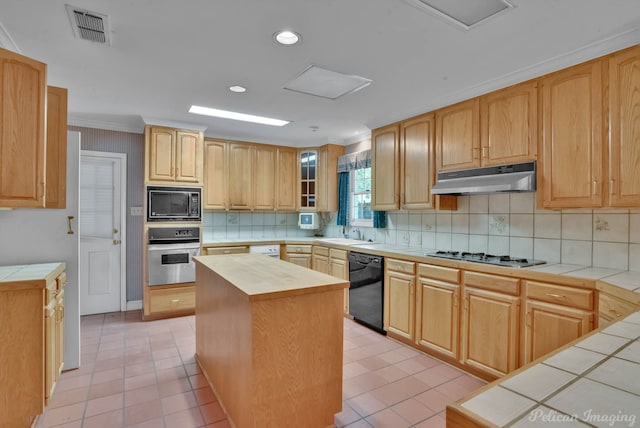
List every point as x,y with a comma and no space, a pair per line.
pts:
360,197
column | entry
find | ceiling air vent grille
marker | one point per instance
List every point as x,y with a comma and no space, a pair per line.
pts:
89,25
464,13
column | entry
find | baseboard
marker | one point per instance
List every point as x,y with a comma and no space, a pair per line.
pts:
134,305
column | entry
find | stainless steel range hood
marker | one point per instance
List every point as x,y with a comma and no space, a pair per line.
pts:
520,177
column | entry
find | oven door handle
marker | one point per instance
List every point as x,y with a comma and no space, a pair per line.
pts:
168,247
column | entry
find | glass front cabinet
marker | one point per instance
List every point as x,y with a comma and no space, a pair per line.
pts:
308,179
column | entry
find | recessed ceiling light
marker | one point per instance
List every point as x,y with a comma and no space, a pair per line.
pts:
206,111
238,89
287,37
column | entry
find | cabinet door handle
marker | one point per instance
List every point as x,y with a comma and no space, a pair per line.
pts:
557,296
475,153
611,188
485,152
594,188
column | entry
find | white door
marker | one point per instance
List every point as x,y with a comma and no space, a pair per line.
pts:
102,205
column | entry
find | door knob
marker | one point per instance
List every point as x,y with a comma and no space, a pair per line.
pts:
116,241
115,231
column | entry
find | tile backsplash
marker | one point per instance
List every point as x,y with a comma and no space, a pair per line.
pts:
495,224
510,224
219,226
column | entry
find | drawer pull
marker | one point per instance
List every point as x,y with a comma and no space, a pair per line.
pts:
557,296
175,301
615,313
298,249
226,252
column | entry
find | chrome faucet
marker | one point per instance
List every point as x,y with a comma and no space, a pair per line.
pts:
356,230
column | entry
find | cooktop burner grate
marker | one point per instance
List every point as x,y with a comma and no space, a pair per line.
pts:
499,260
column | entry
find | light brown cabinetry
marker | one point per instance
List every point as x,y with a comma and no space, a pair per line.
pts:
399,298
215,175
490,323
509,125
23,91
614,303
238,249
458,136
572,137
286,173
403,166
171,301
56,155
624,117
438,309
318,178
339,267
299,255
31,342
555,315
241,176
320,259
264,177
173,155
385,157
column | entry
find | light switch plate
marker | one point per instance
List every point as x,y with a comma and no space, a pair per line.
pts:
136,211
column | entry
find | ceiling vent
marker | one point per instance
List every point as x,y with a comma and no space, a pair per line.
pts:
89,25
466,14
324,83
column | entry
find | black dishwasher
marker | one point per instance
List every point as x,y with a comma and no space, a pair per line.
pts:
366,289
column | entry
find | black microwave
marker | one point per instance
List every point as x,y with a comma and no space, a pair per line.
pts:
174,203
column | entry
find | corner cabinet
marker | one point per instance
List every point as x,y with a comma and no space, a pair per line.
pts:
56,196
318,178
173,156
23,94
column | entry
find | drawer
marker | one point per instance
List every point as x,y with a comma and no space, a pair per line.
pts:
338,254
400,266
613,308
500,284
303,249
439,273
61,280
172,299
559,294
321,251
213,251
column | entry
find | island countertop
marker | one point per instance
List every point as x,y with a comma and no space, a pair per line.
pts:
261,277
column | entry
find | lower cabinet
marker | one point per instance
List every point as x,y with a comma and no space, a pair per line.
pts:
555,316
54,334
320,259
239,249
490,323
438,310
339,267
171,301
399,298
299,255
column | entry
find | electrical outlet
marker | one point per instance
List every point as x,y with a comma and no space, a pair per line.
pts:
136,211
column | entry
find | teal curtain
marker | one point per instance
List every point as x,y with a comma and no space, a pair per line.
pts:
343,198
379,219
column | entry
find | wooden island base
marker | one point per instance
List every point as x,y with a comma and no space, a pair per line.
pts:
269,339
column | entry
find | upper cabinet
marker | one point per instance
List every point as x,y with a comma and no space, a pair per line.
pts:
624,119
23,90
509,125
385,158
173,155
318,178
215,175
247,176
572,137
56,157
403,166
458,136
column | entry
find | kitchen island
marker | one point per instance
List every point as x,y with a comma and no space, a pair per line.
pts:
269,338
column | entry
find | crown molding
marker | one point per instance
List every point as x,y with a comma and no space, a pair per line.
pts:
74,120
173,124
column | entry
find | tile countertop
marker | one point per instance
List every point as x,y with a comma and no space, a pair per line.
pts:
628,280
591,381
29,276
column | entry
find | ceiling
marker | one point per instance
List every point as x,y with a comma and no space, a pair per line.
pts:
166,55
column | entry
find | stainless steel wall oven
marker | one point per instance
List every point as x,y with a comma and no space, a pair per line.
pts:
170,254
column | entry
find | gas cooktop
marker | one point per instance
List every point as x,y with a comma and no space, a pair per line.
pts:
491,259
